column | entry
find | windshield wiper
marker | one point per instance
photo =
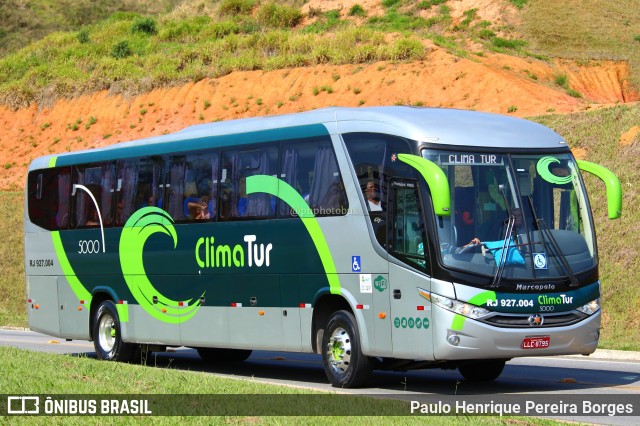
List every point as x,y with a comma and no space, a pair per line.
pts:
503,255
555,248
507,239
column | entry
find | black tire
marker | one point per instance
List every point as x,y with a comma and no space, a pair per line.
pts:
107,339
483,371
342,358
217,355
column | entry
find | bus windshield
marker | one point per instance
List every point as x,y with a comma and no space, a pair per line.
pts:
515,216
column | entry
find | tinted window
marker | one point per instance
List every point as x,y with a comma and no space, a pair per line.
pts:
310,167
92,195
374,158
140,183
48,198
237,166
192,187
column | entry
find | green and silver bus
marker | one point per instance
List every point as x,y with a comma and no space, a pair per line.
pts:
389,238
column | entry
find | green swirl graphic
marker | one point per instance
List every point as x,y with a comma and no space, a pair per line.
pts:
140,226
542,167
281,189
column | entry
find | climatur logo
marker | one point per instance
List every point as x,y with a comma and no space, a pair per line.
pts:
562,299
140,226
211,255
380,283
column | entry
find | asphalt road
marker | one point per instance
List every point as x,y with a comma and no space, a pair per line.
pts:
612,373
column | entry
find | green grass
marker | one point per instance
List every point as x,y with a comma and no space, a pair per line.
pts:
12,284
586,29
48,374
23,22
198,40
182,50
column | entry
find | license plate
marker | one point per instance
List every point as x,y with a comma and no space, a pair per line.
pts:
540,342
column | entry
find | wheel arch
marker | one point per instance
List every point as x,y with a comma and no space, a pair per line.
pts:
325,305
99,295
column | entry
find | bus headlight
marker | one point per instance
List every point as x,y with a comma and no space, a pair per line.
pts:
591,307
458,307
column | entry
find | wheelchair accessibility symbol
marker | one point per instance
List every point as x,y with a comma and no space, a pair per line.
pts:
540,260
355,264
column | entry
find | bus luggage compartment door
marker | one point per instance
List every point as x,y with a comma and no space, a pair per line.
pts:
42,304
73,313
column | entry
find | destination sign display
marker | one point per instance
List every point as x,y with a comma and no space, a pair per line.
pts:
471,159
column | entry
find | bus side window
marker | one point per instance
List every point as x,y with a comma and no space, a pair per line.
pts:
237,166
87,196
48,197
200,186
127,185
149,183
107,185
310,167
175,187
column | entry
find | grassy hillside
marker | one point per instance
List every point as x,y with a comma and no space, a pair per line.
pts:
25,21
129,53
587,30
12,283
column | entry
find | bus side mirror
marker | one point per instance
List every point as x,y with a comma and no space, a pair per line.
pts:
435,178
612,184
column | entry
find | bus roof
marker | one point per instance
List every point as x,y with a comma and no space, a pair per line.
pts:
458,128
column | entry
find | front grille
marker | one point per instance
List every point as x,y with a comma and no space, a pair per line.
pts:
522,321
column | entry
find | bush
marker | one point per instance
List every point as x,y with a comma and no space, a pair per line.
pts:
224,28
407,49
121,50
561,80
276,16
500,42
83,36
145,25
519,3
357,10
236,7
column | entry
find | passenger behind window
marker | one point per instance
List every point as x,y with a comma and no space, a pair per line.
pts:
92,218
372,192
200,209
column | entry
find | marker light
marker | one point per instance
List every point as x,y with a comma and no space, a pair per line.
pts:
458,307
591,307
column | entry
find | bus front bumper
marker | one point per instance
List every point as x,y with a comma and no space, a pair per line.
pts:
476,340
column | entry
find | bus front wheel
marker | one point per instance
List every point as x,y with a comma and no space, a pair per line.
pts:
107,338
344,363
484,371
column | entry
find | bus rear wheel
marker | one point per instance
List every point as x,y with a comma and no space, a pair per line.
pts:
107,338
214,355
342,358
483,371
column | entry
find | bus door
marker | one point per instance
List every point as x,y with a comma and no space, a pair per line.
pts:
408,270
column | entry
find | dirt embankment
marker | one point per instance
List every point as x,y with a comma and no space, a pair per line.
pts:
492,82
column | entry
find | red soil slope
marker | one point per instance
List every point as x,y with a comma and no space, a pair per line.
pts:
492,82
